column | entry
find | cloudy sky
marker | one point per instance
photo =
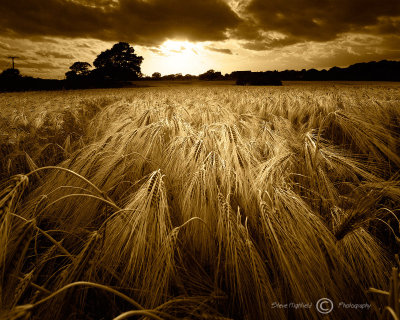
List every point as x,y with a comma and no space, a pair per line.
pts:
192,36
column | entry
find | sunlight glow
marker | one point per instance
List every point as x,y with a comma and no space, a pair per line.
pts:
183,55
181,47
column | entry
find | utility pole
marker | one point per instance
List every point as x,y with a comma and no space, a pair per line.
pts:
12,58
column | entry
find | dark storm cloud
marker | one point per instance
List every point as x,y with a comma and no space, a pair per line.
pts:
38,65
5,46
268,43
143,22
225,51
314,20
84,45
30,64
54,54
385,25
150,22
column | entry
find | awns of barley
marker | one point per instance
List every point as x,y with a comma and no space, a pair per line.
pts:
17,313
241,269
41,262
27,279
197,149
138,242
82,263
199,199
11,193
21,287
216,151
153,188
363,212
297,241
388,298
15,259
81,267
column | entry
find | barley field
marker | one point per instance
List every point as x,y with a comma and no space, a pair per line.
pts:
216,202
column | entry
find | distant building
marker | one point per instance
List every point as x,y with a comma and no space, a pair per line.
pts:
248,78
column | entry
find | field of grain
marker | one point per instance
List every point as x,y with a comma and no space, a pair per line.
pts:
199,202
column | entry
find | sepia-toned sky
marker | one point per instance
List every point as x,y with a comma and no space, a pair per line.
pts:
192,36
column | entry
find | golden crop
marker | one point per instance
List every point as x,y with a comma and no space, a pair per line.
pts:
204,203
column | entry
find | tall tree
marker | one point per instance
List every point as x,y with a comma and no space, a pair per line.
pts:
118,63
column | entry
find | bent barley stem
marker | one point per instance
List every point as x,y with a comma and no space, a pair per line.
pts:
82,195
71,172
54,241
89,284
128,314
194,219
113,215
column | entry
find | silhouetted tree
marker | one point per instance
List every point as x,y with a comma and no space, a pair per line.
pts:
10,74
189,77
156,75
78,69
178,76
118,63
211,75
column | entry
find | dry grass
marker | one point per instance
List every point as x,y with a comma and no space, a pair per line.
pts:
204,203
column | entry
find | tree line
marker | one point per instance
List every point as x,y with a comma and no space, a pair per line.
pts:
120,65
366,71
